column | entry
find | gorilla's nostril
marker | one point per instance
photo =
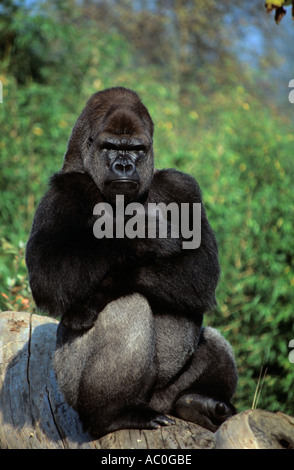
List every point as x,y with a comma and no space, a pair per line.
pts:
124,167
118,167
128,167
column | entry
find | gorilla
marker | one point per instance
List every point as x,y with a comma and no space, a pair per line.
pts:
131,347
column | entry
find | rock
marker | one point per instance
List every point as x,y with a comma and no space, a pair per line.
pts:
34,414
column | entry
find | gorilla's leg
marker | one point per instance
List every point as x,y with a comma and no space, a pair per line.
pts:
207,402
107,373
201,391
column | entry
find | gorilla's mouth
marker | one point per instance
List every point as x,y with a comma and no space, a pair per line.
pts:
122,186
124,183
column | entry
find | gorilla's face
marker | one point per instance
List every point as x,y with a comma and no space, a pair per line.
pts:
112,142
120,158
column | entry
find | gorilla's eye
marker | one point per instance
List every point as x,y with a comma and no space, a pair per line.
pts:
139,148
90,141
109,146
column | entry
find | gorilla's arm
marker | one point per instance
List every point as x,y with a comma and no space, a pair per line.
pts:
180,284
66,263
74,275
184,281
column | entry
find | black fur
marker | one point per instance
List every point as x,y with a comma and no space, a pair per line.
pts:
130,344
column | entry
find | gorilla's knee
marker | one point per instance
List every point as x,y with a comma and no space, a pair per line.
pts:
219,377
125,329
114,357
208,401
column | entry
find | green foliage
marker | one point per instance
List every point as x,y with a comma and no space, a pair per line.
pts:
251,206
234,143
14,277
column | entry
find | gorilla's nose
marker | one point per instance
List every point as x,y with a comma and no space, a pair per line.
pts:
123,167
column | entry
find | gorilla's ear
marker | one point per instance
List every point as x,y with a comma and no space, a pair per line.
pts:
77,145
89,120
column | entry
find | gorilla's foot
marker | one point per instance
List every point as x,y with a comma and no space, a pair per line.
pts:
205,411
143,417
156,422
137,417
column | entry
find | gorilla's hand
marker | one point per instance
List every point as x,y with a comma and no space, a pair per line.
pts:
78,319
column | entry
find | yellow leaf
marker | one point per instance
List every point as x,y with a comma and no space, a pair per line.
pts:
37,131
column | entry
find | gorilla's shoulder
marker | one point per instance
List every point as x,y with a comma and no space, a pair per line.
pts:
176,185
67,180
74,185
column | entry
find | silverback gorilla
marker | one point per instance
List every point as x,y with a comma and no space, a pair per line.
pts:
131,347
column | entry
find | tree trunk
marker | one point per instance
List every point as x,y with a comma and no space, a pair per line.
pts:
34,414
